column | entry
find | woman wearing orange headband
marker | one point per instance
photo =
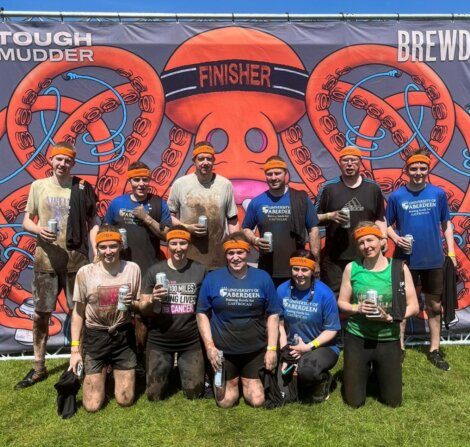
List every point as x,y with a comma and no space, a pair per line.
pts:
173,328
237,306
103,307
308,327
370,296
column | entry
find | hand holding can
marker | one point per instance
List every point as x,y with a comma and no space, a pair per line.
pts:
346,212
123,301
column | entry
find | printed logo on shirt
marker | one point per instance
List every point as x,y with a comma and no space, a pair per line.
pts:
128,217
107,295
181,299
239,297
276,212
419,207
354,205
299,309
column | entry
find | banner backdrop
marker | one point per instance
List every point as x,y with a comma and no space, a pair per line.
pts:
148,91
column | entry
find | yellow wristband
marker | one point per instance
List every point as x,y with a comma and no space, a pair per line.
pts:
314,344
355,308
451,254
75,343
271,348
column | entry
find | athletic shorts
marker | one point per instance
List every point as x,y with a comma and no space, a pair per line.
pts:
244,365
431,280
47,287
103,349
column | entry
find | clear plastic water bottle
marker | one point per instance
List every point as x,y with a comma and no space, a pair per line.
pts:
219,377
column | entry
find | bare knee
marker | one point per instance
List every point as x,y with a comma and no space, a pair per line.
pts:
255,400
92,404
227,402
125,398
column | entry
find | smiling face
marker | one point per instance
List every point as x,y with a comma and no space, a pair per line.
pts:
417,172
140,187
108,251
62,165
236,259
370,246
276,179
204,163
302,276
178,249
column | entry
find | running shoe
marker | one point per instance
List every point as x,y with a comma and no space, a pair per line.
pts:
437,359
30,379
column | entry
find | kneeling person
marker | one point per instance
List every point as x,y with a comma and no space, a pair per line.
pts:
173,328
108,336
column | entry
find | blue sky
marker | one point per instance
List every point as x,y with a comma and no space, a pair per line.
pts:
244,6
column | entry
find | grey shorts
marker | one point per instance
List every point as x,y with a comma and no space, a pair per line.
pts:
47,287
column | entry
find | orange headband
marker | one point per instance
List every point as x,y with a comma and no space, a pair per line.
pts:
108,236
140,172
234,245
179,234
350,150
274,164
365,231
58,150
302,262
203,150
419,158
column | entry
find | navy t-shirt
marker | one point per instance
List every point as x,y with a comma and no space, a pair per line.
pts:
270,213
419,213
144,245
238,308
307,318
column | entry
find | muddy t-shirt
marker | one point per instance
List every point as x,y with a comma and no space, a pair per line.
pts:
98,289
190,199
173,326
48,200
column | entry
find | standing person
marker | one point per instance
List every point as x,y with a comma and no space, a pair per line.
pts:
145,217
286,213
238,313
173,330
71,202
364,200
101,326
204,193
372,334
421,210
309,322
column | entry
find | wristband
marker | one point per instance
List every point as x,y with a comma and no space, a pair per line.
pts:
256,240
355,308
451,254
328,216
75,343
271,348
314,344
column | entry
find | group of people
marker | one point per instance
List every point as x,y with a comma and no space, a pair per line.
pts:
207,309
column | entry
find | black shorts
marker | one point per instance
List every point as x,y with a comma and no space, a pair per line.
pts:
244,365
431,280
331,273
103,349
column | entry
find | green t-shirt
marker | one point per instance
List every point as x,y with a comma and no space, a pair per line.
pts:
363,280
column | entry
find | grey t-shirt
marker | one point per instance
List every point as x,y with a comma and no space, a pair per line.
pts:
173,327
190,199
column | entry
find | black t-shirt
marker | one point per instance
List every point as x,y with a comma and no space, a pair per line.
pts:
174,328
366,202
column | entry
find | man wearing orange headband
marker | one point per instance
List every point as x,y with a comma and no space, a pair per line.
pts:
421,210
173,329
364,200
69,204
145,216
286,213
102,309
204,193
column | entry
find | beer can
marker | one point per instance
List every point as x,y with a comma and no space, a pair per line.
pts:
373,297
123,233
410,239
80,370
347,211
268,236
202,221
53,225
160,278
123,291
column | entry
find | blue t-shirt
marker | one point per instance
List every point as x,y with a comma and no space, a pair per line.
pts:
270,213
419,213
237,309
309,319
144,245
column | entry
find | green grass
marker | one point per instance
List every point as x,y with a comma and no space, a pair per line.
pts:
435,412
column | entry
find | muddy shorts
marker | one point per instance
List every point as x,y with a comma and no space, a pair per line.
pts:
103,349
47,287
244,365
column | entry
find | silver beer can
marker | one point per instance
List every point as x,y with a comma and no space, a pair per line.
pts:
202,221
373,297
123,233
410,239
160,278
53,225
268,236
123,291
347,211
